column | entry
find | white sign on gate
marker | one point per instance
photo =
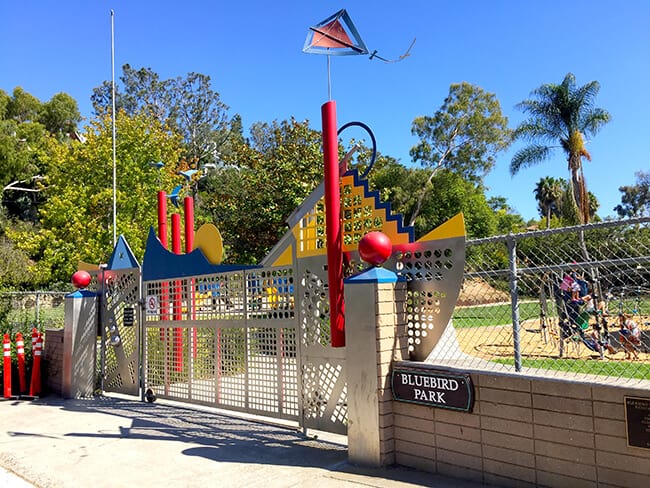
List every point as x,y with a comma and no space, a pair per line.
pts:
152,304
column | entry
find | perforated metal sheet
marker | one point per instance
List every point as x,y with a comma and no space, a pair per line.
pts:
227,340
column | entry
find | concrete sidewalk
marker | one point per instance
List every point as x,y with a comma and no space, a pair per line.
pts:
116,442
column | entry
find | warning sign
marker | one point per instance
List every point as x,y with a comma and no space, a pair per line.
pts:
152,305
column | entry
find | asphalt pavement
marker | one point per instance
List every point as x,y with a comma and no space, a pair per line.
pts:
111,442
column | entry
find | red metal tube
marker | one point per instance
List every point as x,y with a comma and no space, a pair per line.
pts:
188,205
177,300
333,224
162,218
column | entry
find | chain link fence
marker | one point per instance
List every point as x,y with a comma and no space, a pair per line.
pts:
40,309
571,301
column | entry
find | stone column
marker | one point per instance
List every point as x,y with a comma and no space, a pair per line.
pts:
374,303
79,344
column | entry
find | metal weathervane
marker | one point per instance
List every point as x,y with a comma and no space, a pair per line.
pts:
338,36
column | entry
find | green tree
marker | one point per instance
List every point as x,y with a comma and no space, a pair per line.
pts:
187,105
508,220
22,106
548,193
635,199
563,114
60,115
76,219
449,193
250,196
464,136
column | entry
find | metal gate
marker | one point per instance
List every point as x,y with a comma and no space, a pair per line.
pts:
234,340
119,322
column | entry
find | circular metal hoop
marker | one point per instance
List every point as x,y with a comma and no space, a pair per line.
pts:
372,138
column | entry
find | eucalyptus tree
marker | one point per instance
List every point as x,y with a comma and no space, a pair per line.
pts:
188,105
561,115
464,136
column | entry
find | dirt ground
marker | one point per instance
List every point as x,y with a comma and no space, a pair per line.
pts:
493,342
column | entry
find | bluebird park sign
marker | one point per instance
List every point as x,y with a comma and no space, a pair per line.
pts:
441,389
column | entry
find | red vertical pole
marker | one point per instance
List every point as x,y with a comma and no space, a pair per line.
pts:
162,236
188,205
333,224
178,302
20,353
6,349
162,218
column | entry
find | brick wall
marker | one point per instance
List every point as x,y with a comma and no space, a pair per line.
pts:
53,360
525,432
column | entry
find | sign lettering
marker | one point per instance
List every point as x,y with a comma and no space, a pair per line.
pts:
440,389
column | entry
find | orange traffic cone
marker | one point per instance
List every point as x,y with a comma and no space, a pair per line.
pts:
35,387
20,352
6,347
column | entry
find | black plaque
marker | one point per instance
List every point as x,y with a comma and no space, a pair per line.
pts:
441,389
637,419
128,319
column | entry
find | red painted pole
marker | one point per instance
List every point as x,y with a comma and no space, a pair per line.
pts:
188,205
162,218
333,224
178,302
162,236
20,353
6,348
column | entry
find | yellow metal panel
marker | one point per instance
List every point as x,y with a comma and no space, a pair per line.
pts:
286,258
454,227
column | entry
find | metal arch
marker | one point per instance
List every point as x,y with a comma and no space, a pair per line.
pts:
372,138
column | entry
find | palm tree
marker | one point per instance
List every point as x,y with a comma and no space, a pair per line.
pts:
548,193
563,113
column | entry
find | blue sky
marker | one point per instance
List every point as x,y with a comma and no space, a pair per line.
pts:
252,50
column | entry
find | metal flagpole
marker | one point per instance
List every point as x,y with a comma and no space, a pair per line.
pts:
113,114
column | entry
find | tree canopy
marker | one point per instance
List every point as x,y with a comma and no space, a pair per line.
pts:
464,135
75,221
187,105
635,199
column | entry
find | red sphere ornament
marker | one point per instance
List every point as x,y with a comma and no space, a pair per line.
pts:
375,248
81,279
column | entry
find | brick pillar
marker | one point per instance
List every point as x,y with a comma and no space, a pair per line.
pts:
375,337
79,344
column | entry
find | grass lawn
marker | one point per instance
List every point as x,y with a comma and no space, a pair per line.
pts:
499,314
614,369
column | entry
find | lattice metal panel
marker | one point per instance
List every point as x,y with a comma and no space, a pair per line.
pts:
231,367
120,317
324,396
203,364
271,294
314,313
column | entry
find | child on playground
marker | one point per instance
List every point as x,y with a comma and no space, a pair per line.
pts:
630,335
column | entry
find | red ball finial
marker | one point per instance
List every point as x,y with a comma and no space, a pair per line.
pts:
81,279
375,248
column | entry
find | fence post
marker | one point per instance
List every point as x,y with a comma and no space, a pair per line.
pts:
79,344
514,300
373,341
38,307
